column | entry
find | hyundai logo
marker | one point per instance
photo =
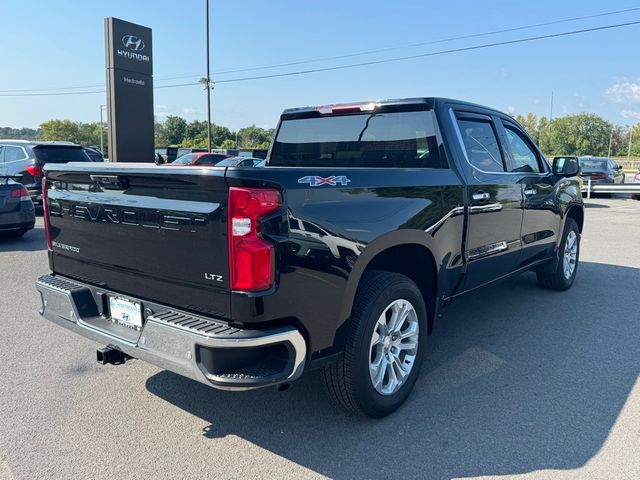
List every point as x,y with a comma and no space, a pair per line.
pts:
133,43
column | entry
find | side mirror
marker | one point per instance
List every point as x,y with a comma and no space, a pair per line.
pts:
566,166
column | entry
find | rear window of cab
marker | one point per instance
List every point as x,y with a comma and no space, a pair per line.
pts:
389,139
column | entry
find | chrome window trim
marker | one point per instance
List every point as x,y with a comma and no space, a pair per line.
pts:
456,127
454,119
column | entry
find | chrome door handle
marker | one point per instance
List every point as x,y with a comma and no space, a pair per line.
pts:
480,197
530,191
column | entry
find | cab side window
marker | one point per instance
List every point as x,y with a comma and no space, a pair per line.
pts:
524,157
481,144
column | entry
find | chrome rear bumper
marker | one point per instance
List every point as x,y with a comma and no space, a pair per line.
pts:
204,349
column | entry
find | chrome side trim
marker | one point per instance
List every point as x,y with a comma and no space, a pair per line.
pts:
486,250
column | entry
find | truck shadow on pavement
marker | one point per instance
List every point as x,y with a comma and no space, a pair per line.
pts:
517,379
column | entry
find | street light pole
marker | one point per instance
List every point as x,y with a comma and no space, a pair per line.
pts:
610,141
208,78
630,138
102,130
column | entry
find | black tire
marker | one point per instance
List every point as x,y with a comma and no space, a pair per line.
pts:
557,280
347,379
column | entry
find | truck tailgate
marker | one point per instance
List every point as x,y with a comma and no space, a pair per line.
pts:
152,232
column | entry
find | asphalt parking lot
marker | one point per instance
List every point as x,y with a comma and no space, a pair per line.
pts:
519,382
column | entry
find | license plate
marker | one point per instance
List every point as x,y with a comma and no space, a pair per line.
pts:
125,311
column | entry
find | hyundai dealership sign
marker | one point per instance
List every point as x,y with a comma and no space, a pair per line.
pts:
129,91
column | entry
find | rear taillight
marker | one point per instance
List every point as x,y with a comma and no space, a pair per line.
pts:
251,257
45,210
598,176
34,171
21,193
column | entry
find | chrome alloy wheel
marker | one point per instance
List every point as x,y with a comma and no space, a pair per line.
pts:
570,254
393,348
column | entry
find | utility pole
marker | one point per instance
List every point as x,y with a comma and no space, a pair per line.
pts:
610,141
208,78
551,110
630,138
102,130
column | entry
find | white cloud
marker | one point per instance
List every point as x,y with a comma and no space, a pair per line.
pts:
160,107
633,114
624,92
511,109
189,110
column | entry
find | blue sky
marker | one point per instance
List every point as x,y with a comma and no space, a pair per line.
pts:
61,44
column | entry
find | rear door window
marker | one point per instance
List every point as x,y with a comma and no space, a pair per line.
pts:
379,139
481,144
58,154
13,154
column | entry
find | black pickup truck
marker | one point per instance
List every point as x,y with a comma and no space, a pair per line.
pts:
367,219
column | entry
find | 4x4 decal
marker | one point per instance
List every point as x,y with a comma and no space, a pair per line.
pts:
333,180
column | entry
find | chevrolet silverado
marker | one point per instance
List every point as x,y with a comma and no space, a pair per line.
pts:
367,219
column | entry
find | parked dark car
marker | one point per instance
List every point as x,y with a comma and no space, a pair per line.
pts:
24,160
200,158
601,170
339,255
17,213
240,162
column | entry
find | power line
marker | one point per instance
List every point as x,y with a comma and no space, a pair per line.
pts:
338,57
372,62
430,54
431,42
48,94
96,85
86,92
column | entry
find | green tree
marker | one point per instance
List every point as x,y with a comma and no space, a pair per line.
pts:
220,134
60,130
254,137
582,134
619,140
635,141
175,129
531,125
228,144
195,135
160,135
89,133
19,133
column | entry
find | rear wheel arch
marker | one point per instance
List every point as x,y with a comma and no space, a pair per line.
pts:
410,253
